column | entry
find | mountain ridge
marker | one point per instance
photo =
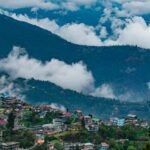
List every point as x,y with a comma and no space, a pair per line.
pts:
124,63
114,65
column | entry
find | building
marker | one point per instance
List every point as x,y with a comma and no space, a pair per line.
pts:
120,122
89,146
9,146
50,146
39,139
58,122
72,146
131,119
144,124
87,119
92,127
104,146
81,146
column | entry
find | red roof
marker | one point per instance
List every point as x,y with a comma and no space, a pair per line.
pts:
78,111
67,114
3,122
26,107
81,117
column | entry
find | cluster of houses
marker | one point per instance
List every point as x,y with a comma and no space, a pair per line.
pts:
58,125
130,119
85,146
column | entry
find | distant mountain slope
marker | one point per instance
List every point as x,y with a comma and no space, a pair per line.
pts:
126,68
42,92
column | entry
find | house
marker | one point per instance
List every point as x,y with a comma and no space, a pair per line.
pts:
114,120
67,114
50,146
87,119
39,139
54,127
89,146
78,111
72,146
120,122
81,146
131,119
104,146
42,114
9,146
144,124
36,129
58,122
96,120
122,140
92,127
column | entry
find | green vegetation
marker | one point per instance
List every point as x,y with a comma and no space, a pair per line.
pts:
110,134
33,118
147,146
11,119
41,147
24,137
26,123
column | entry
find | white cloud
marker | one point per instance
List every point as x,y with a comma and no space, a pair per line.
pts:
58,107
76,33
72,5
103,32
105,90
136,32
132,96
9,88
148,84
80,34
137,7
131,7
74,76
14,4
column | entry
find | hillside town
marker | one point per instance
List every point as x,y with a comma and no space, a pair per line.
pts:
43,127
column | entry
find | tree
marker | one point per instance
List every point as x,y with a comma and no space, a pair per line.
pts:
25,137
77,147
147,146
11,120
40,147
58,146
149,133
83,123
131,148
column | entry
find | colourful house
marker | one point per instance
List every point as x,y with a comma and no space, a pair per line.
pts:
39,139
104,146
120,122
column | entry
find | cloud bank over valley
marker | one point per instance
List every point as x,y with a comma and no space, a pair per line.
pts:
68,76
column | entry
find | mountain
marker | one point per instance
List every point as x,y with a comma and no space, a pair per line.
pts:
37,92
124,67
